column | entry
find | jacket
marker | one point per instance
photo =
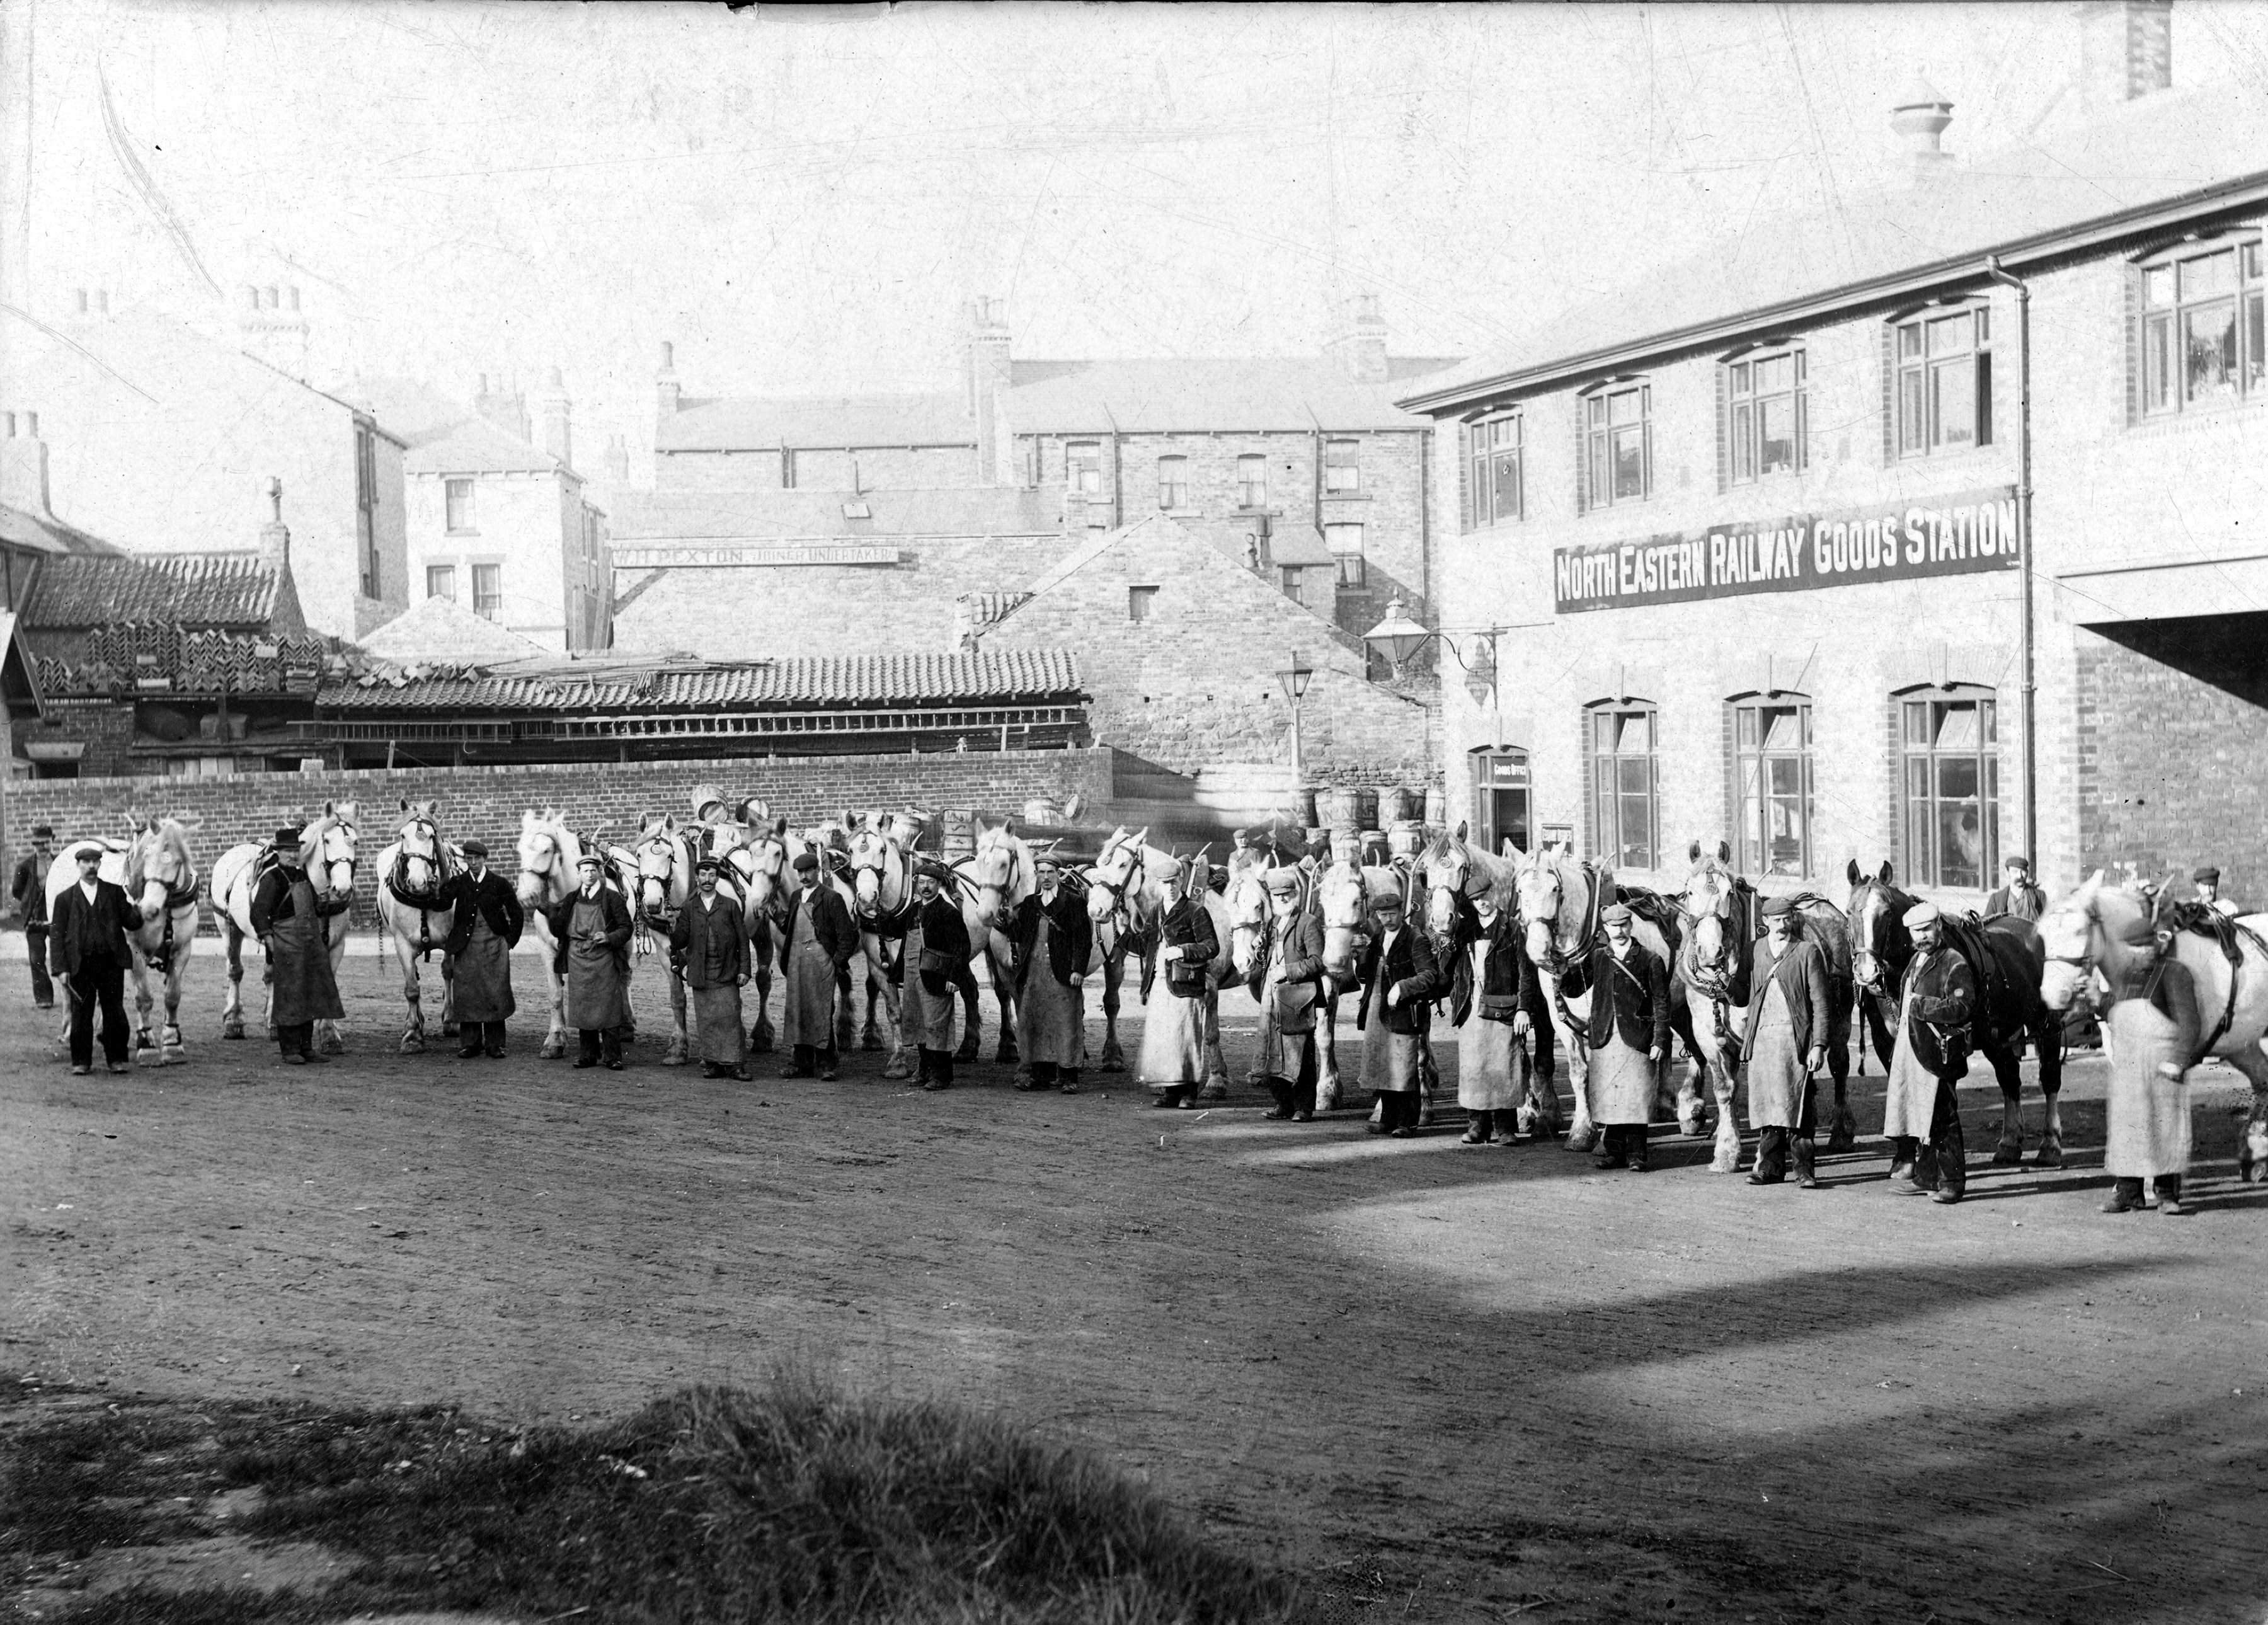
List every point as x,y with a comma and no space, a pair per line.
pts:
1944,1001
1409,968
30,891
82,932
498,903
709,946
1302,950
1188,926
1628,998
831,924
617,931
1801,973
1073,941
943,932
1506,974
271,898
2025,901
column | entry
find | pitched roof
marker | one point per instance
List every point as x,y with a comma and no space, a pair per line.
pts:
2189,146
235,590
1237,393
444,437
46,533
717,515
744,423
441,629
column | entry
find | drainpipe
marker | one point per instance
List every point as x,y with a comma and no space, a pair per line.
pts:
2031,803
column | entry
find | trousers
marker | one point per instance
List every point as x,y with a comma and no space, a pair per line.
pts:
1941,1163
43,989
104,984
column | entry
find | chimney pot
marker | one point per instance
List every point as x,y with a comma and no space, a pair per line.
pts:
2126,48
1920,116
668,356
31,425
293,295
24,465
102,301
81,292
251,297
10,416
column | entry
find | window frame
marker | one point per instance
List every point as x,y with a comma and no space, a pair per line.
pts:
455,521
1342,457
2164,380
495,568
1351,566
448,570
1141,603
1922,817
1915,395
372,573
1083,468
1603,442
1493,770
1494,446
1742,390
1608,802
1172,480
1247,487
1753,795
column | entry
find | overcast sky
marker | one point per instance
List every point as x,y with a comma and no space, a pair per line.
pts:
805,199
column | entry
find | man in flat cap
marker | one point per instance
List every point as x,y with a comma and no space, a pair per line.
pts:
482,932
1173,1058
1628,1033
592,928
2017,894
1052,938
821,937
2206,879
1929,1059
1785,1044
2153,1031
302,988
709,948
929,970
88,953
1400,979
28,890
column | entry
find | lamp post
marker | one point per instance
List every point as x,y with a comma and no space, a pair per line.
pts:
1398,638
1295,683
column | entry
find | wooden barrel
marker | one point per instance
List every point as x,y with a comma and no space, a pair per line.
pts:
1365,809
1396,806
1436,807
1303,808
1340,809
1405,837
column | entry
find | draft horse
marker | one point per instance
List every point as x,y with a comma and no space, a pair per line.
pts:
415,912
153,867
328,845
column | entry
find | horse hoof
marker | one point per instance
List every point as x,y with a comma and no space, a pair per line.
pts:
550,1051
969,1053
1581,1142
413,1046
1111,1063
2048,1156
2007,1156
669,1060
1721,1164
335,1046
1215,1091
895,1071
232,1029
1837,1144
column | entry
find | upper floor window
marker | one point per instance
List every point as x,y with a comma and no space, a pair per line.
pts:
1499,491
441,581
1764,415
1083,467
458,500
1140,601
1772,773
1346,544
1943,400
366,509
1950,759
2201,335
1173,482
1618,444
1342,465
1621,749
1251,482
1294,581
488,591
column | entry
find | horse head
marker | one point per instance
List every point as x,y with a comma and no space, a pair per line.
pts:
879,870
2087,932
1445,867
1001,870
1246,897
1343,898
1707,900
1118,873
158,867
761,861
1542,894
544,869
659,852
1879,944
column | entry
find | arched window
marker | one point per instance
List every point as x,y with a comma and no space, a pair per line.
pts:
1620,753
1173,482
1617,424
1942,399
2201,338
1949,762
1500,804
1772,783
1764,426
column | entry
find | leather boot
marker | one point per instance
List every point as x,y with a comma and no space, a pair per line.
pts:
1807,1163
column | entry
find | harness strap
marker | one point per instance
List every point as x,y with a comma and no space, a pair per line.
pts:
2229,1015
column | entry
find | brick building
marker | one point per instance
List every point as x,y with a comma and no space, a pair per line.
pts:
1757,528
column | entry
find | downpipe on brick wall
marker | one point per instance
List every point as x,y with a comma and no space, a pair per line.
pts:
2031,803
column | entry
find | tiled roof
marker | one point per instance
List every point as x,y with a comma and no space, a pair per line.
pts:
443,437
711,515
2156,149
44,534
745,422
1233,395
236,590
114,659
441,629
857,679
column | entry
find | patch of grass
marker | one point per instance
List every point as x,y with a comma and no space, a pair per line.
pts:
799,1502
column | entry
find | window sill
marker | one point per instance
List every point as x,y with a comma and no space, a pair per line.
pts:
1349,496
453,534
2197,419
1481,526
1626,503
1933,459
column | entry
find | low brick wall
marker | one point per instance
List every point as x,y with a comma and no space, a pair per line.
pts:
487,801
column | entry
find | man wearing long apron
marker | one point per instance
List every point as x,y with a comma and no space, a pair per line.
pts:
482,935
1287,975
820,939
709,948
1400,980
2151,1013
591,926
936,954
1052,937
1628,1035
302,989
1173,1060
1493,1063
1927,1063
1785,1046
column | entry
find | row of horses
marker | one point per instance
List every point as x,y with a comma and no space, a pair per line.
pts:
2027,975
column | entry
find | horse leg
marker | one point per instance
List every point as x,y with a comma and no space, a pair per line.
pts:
2252,1132
846,1013
330,1040
2047,1037
1002,979
169,1036
1686,1099
674,1052
449,997
413,1033
232,1009
761,1036
1216,1065
870,1035
972,1015
1429,1080
142,1000
1114,972
894,1006
554,1036
1878,1024
1538,1114
2010,1151
1581,1132
1328,1084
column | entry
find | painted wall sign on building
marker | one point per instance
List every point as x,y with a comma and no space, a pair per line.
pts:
1960,534
720,555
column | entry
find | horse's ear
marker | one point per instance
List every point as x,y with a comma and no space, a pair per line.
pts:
1724,852
1852,872
1885,872
2094,882
1460,829
1693,850
779,825
405,803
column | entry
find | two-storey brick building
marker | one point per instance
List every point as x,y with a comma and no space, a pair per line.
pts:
1760,538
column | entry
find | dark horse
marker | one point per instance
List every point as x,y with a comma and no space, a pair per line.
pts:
2006,954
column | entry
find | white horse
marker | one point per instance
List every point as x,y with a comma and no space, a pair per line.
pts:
1455,874
992,881
550,853
756,862
1247,908
882,874
327,852
662,883
415,914
1126,884
2082,934
1345,895
154,868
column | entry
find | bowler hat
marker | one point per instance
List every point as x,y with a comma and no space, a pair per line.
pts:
2207,877
289,836
475,848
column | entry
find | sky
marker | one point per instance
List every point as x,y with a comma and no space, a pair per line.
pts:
805,199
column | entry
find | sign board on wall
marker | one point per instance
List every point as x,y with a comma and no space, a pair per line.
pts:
1960,534
718,555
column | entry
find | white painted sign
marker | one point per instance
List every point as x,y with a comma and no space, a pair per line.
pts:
741,555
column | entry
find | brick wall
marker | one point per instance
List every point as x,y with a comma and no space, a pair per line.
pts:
488,802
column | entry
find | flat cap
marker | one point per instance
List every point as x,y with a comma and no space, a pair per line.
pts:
475,848
930,868
1286,884
590,860
1047,858
2206,875
707,866
43,832
1776,907
805,862
1616,914
2018,862
1921,914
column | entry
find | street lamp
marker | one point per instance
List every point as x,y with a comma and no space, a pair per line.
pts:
1398,638
1295,683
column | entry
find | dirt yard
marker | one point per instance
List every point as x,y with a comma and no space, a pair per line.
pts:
1438,1383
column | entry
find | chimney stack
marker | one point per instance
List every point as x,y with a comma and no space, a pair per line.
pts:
1919,117
664,383
1359,344
273,328
2125,49
23,466
558,429
499,403
275,540
989,374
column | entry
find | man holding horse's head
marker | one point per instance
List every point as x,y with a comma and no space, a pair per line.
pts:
302,987
1628,1034
1930,1057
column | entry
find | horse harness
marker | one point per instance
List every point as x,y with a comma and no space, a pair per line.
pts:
2207,922
177,897
427,901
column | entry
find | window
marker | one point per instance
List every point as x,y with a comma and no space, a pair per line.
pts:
1251,482
1295,582
1622,784
2202,334
1083,468
488,591
1771,771
1764,415
458,498
1949,741
1140,601
1497,474
1944,400
1500,799
1344,542
367,507
1618,444
1342,465
1173,482
441,581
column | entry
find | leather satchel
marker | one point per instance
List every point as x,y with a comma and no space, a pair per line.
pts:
935,961
1498,1007
1185,977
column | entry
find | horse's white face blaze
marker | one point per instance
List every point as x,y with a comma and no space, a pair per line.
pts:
1345,903
1709,936
1865,966
1538,889
421,852
1247,913
657,866
1444,875
995,870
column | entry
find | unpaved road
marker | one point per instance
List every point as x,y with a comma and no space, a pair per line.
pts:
1444,1383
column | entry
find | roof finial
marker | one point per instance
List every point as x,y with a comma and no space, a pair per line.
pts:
275,498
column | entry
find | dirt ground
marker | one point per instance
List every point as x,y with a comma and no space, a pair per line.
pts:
1439,1383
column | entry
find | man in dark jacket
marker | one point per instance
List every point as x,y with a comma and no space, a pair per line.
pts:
591,927
1784,1045
818,941
1935,1004
482,932
928,972
1287,979
1400,980
29,892
302,987
87,950
1052,938
709,948
1627,1036
2018,895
